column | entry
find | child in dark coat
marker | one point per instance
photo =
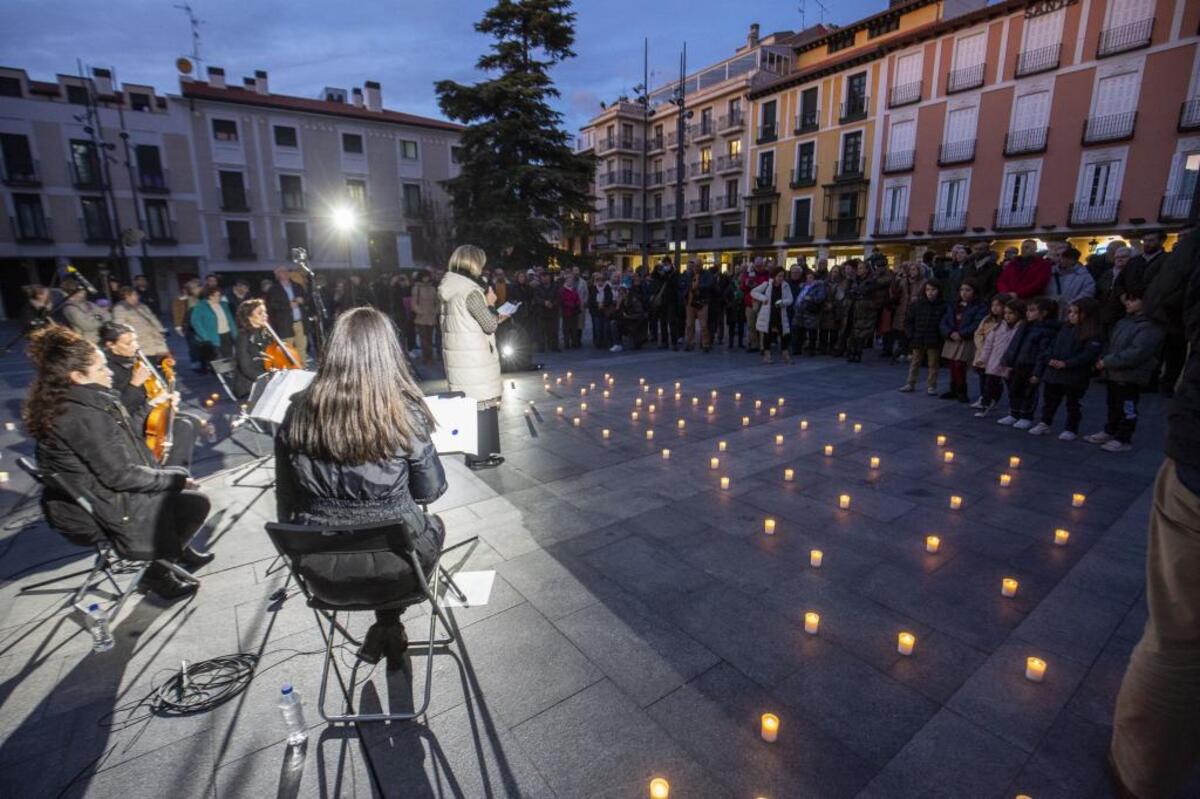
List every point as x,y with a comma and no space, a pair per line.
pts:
1041,326
1066,367
1129,363
925,337
958,329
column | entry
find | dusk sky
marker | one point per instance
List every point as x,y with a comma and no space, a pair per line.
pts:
405,45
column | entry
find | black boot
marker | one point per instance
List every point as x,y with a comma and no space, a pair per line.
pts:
194,559
479,464
386,638
163,583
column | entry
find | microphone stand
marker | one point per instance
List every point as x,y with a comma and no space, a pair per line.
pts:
34,324
315,295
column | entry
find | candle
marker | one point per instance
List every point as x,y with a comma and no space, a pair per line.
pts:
789,475
771,412
714,394
714,463
1014,462
634,416
780,401
637,401
757,404
10,425
815,557
724,483
208,403
681,424
1008,587
583,406
844,502
737,396
3,477
1077,500
607,394
558,381
605,433
1035,669
611,380
770,727
570,375
591,386
695,401
769,526
660,788
842,417
711,410
215,396
1061,536
1005,480
677,385
576,421
778,439
828,450
666,454
905,643
652,408
858,427
932,544
645,389
745,421
678,396
641,381
948,456
874,461
660,391
649,435
812,622
941,441
545,375
803,424
722,446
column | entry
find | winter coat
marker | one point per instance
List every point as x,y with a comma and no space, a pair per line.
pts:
994,346
833,313
281,314
204,322
96,447
924,324
424,304
1027,347
1025,277
471,358
983,273
961,319
1080,357
986,326
145,324
750,281
810,303
86,318
906,292
950,278
1069,285
1132,354
248,362
865,298
762,295
570,301
310,491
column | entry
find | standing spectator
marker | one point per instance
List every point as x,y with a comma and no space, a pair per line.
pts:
1070,280
982,271
666,305
716,306
84,316
181,315
833,315
1144,267
215,326
810,303
1023,355
958,329
925,337
36,311
697,290
1128,364
1066,367
547,302
599,297
286,305
151,334
1145,272
731,301
148,296
992,356
774,299
950,274
630,317
572,306
907,286
1025,276
994,318
238,294
754,276
1110,286
864,297
425,314
1100,262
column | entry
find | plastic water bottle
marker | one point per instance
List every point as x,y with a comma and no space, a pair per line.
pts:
102,639
292,708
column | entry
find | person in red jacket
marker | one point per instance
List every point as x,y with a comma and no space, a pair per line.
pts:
755,275
1027,275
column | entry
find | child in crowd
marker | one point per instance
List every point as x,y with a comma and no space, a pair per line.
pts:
958,326
809,303
1129,363
1066,367
989,323
925,336
1041,326
994,347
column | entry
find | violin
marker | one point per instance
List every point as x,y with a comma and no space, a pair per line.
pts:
279,355
160,422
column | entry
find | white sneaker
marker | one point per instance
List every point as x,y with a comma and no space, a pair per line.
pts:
983,411
1098,438
1116,446
615,348
931,391
1022,424
1039,429
906,389
1006,420
977,404
1067,435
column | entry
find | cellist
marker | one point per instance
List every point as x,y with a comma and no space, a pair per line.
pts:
130,376
252,341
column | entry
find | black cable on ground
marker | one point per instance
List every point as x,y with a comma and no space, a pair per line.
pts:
200,687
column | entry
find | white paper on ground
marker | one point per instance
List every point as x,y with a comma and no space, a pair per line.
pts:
457,424
476,586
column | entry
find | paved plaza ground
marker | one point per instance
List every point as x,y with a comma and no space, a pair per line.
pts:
641,621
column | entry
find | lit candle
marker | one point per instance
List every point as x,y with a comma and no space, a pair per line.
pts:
778,439
769,526
724,483
570,375
660,391
1005,480
874,461
941,441
641,381
215,396
545,375
677,385
558,381
681,424
1014,462
812,622
695,401
780,402
591,386
1035,669
714,463
678,396
660,788
576,421
841,417
815,557
208,403
770,727
948,456
955,502
1077,500
10,425
828,450
545,386
789,475
714,394
645,389
722,446
607,394
905,643
583,406
605,433
612,380
634,416
711,410
932,544
858,427
803,424
844,502
637,401
745,421
737,396
3,477
1061,536
649,435
771,412
1008,587
757,404
666,454
652,408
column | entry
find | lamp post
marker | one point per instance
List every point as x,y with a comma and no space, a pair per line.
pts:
680,101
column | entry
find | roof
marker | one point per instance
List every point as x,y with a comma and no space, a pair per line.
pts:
236,94
865,22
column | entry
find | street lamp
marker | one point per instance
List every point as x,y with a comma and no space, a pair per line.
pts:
345,221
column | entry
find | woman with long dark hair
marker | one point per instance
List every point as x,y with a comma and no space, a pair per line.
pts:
355,448
248,348
86,436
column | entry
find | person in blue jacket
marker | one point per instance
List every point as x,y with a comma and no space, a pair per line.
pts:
214,326
958,329
1066,367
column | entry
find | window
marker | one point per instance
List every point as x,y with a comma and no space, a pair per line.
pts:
706,120
150,168
10,87
735,108
31,219
969,51
296,234
808,110
139,101
1020,189
852,153
766,130
96,227
856,87
158,221
225,130
356,193
85,164
881,26
412,199
731,192
1031,111
1043,42
801,218
18,158
730,227
806,156
706,197
77,95
841,41
846,222
291,193
766,169
895,202
233,191
952,201
903,136
352,144
408,150
285,136
1100,183
960,124
238,240
1116,94
705,160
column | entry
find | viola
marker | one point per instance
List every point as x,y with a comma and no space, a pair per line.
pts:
279,355
161,419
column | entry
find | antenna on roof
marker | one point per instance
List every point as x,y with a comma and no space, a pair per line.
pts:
195,23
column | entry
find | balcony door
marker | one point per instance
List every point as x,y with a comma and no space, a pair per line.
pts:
1101,184
801,216
847,215
1116,94
766,169
1020,190
852,153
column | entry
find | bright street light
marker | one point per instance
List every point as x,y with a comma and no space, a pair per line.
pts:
344,219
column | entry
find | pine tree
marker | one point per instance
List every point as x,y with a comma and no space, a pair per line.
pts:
520,179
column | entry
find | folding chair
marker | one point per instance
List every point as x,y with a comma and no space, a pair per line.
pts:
109,563
294,542
223,368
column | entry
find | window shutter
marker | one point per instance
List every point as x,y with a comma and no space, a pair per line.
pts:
961,125
1116,94
908,69
1044,31
970,51
1031,111
903,136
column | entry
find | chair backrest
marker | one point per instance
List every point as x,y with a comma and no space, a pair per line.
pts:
223,367
53,481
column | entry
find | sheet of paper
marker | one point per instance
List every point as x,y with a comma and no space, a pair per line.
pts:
476,586
457,424
508,308
272,405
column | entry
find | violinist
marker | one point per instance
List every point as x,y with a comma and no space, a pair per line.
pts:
252,341
129,381
85,435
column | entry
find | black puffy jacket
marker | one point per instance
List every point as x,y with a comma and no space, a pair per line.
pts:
1031,341
1079,355
924,323
93,447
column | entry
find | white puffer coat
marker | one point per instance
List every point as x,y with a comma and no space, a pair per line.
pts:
470,355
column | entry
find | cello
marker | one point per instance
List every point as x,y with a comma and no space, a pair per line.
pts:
161,419
279,355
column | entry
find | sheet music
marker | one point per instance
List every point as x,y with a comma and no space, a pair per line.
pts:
457,424
273,403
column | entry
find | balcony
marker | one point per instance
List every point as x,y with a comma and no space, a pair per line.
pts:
25,174
624,213
1084,215
673,138
161,231
1174,207
608,144
1189,114
621,178
235,199
97,231
673,175
240,249
701,206
854,109
654,144
153,182
700,169
896,226
806,122
955,222
730,122
844,228
846,171
34,229
760,235
1014,218
730,163
87,177
1031,140
654,178
704,130
798,233
900,161
958,152
1043,59
727,203
765,184
804,176
961,80
292,202
1125,37
1113,127
767,132
904,94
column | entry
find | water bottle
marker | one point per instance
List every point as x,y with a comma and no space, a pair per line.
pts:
293,714
102,639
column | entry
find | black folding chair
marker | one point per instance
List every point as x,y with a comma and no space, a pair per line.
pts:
294,542
110,563
223,368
